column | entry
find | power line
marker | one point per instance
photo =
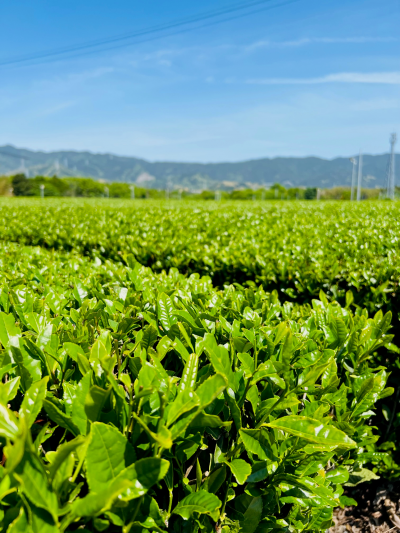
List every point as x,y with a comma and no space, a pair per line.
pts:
51,55
130,35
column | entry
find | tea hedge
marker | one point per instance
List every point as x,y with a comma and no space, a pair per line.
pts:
297,248
132,401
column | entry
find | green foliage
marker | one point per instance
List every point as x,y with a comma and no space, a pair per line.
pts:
310,193
119,190
92,188
297,249
133,401
76,187
85,187
20,185
5,186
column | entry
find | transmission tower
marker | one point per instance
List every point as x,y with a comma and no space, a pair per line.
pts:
353,177
359,181
24,170
391,170
57,167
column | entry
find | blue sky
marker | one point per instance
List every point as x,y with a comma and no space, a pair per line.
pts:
304,78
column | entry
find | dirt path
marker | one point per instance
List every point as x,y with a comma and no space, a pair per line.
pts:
378,509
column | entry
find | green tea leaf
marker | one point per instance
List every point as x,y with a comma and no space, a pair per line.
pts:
9,390
313,431
189,375
32,477
165,312
240,469
33,401
8,423
252,516
108,454
200,502
60,418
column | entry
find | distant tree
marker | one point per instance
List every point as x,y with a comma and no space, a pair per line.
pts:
85,187
207,195
21,185
310,193
119,190
242,194
52,186
278,186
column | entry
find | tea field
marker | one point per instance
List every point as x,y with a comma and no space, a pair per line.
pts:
195,367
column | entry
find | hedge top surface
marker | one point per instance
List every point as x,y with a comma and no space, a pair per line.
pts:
295,247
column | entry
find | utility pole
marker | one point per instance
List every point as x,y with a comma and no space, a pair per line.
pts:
391,173
359,181
353,177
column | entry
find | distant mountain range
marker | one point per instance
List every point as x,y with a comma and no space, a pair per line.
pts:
288,171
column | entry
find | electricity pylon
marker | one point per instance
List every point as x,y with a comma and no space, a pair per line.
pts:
359,181
391,171
353,177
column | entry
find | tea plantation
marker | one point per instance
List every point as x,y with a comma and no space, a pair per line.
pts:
195,367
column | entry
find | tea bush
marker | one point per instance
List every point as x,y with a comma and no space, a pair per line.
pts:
132,401
297,248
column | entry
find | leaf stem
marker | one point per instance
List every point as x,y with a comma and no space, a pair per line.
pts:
393,413
171,495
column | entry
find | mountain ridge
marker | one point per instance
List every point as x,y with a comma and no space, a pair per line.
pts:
310,171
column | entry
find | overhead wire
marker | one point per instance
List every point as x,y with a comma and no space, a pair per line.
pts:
83,49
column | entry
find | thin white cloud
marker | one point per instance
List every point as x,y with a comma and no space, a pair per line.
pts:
387,78
317,40
89,74
73,78
375,104
55,109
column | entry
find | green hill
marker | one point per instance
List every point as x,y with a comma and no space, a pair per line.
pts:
289,171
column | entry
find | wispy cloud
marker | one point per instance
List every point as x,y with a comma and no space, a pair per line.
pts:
55,109
71,79
317,40
375,104
89,74
388,78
